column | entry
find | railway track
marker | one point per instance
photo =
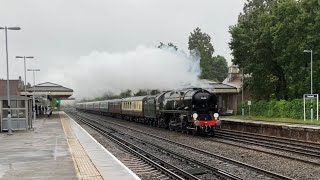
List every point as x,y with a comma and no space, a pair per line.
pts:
171,170
292,146
224,159
138,166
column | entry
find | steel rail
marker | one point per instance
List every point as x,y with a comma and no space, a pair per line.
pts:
147,157
268,144
269,173
220,173
266,152
279,139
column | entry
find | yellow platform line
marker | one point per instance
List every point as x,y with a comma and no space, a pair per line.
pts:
84,167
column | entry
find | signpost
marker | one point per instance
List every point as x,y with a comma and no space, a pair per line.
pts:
310,96
249,104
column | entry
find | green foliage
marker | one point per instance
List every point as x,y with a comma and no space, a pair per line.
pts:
154,92
123,94
268,42
162,45
219,68
215,68
126,93
141,92
279,109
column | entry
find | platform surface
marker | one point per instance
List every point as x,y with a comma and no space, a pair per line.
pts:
307,126
108,165
39,154
58,148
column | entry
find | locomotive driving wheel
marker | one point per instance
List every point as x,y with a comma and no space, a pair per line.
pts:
183,126
195,131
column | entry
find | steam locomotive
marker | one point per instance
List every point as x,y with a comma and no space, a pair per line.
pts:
192,110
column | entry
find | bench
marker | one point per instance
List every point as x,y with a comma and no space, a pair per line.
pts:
229,112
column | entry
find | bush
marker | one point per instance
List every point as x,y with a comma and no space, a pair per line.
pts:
280,109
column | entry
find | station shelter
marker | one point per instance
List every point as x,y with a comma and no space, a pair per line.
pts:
21,112
49,94
46,95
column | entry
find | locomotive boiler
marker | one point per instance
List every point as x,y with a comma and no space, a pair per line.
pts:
188,110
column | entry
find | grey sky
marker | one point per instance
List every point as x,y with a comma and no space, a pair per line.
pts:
58,32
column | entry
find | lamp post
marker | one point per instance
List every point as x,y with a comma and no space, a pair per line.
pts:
33,98
25,73
242,105
310,51
8,86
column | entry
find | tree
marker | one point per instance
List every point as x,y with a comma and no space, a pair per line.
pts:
215,68
268,42
162,45
154,92
141,92
219,68
126,93
200,42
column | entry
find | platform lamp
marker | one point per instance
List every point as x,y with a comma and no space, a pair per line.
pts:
33,98
8,86
25,73
242,105
310,51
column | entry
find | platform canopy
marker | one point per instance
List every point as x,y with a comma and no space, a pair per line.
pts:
50,90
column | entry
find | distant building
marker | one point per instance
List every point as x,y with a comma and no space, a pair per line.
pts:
16,86
20,105
229,92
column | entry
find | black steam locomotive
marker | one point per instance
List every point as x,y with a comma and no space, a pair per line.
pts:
191,110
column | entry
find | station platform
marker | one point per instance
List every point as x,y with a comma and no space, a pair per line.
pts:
57,148
303,132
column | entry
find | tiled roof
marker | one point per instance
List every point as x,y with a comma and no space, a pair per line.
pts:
222,86
234,81
14,87
14,98
49,87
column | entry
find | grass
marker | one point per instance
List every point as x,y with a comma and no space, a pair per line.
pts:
281,120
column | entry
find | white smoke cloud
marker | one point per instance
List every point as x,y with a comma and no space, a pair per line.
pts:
143,68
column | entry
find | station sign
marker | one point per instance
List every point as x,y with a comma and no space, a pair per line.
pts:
310,95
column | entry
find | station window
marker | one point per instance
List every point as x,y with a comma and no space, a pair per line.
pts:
4,113
14,104
21,104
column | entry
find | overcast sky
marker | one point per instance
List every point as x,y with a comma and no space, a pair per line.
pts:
58,32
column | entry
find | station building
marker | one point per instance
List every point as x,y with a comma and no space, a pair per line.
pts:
229,92
21,101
